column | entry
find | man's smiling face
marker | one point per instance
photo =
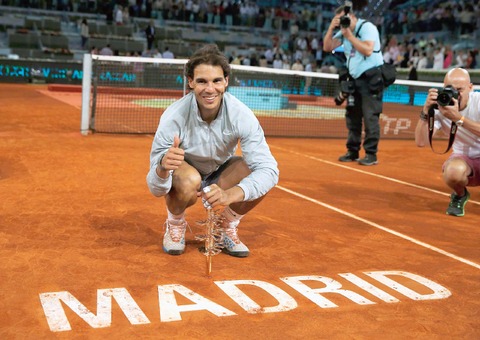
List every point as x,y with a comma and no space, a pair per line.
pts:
209,85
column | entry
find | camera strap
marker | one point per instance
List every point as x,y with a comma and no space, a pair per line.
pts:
431,121
358,35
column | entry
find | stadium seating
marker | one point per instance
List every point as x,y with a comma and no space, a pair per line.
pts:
54,41
24,40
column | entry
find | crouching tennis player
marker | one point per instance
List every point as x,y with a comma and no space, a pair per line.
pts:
194,147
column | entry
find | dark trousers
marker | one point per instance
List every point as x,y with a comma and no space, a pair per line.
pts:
150,43
367,109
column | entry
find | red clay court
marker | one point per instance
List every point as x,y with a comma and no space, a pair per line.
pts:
338,251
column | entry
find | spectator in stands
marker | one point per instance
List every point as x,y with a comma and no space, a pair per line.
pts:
193,155
297,65
107,50
314,46
298,55
119,15
362,48
402,57
188,9
462,168
328,67
126,16
246,60
147,53
277,62
415,58
269,56
167,54
263,61
471,61
423,61
254,60
297,80
196,11
156,54
422,42
393,49
237,60
447,62
432,41
286,61
460,59
84,33
150,34
449,19
438,58
467,19
301,43
387,58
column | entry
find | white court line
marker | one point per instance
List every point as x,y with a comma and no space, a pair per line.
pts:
369,173
375,225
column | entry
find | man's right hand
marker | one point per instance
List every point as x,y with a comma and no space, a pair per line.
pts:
172,159
335,23
431,99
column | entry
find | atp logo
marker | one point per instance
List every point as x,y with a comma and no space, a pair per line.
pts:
395,126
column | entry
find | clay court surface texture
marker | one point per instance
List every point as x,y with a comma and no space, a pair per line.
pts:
338,251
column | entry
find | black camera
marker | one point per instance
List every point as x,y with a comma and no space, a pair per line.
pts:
345,20
347,88
446,95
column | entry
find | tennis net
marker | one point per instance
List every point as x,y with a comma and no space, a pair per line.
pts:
129,94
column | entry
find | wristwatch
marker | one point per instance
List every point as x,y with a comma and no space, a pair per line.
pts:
460,122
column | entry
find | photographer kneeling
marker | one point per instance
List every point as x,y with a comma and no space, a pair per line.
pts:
455,104
363,85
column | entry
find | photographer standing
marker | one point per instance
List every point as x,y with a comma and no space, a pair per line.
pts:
455,104
363,85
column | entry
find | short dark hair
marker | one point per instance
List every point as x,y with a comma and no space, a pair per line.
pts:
209,55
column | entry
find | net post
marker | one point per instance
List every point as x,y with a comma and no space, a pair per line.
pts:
86,90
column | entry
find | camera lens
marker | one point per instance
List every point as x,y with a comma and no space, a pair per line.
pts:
444,99
345,21
446,95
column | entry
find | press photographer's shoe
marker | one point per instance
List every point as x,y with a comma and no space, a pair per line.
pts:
174,238
350,156
457,204
368,160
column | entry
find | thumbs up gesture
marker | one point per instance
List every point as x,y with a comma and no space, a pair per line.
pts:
174,156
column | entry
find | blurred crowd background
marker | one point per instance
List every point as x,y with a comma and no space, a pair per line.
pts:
282,34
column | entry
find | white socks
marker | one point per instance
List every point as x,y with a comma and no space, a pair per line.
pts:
231,216
175,218
228,214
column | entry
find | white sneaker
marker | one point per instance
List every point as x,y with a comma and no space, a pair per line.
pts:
231,243
174,238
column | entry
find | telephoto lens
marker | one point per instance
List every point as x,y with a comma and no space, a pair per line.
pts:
345,20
